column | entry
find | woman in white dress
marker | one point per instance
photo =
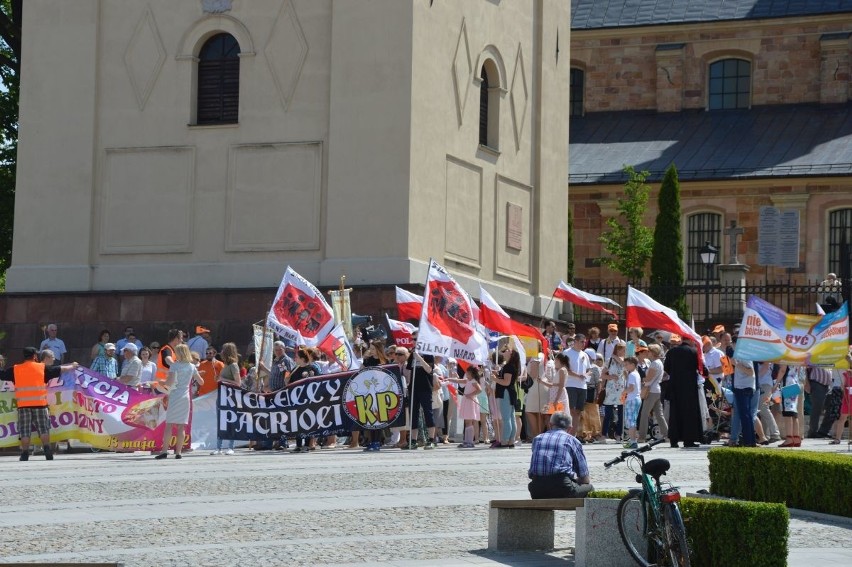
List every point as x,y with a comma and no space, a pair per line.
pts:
538,397
181,375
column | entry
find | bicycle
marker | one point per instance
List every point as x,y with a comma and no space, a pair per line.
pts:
649,519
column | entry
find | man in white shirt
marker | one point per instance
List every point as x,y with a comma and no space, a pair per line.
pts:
54,344
132,366
575,384
607,346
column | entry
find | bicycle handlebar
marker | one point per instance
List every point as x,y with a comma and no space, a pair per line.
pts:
633,453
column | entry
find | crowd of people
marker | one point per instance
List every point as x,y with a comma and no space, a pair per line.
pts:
613,390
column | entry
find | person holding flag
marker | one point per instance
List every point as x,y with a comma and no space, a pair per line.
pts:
418,374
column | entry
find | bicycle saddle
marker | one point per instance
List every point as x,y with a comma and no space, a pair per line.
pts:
656,467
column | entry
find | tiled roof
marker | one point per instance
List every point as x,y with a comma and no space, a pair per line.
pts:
594,14
766,141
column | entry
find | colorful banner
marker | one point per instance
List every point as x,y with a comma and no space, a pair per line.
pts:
330,404
94,409
769,334
402,333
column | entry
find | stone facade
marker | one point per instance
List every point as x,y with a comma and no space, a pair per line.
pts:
794,60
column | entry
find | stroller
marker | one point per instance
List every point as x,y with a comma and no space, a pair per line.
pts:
720,414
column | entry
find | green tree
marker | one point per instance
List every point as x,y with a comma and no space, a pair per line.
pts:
667,258
570,273
11,12
628,241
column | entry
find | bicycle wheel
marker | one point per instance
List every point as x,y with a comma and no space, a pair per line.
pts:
632,519
677,550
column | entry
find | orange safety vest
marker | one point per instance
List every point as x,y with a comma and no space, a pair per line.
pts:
30,388
162,369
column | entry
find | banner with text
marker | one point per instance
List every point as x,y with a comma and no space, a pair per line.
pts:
768,333
330,404
97,410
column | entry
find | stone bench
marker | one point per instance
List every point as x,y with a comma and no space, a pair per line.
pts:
525,525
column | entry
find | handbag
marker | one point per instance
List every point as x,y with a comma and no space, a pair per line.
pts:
601,397
643,393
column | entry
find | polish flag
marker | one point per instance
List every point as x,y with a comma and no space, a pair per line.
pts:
402,333
642,311
492,316
408,305
447,322
573,295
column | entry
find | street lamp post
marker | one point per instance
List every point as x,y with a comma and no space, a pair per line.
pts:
708,258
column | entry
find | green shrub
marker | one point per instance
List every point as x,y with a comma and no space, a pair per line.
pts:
730,532
800,479
734,533
607,494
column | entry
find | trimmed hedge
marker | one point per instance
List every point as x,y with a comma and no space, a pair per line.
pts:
729,532
800,479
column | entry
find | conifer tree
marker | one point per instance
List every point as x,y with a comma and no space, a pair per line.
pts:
667,257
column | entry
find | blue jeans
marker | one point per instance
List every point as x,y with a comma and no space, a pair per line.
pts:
219,443
507,412
745,410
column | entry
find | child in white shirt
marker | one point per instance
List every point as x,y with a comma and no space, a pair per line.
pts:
632,401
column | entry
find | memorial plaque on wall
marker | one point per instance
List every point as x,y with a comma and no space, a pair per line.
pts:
514,226
788,239
778,238
767,236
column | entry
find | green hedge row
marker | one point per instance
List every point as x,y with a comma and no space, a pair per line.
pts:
729,532
800,479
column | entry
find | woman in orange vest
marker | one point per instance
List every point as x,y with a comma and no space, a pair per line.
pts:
30,378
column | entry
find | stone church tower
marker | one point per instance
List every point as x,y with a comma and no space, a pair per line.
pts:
207,144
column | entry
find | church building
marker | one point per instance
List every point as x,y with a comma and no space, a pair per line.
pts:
200,146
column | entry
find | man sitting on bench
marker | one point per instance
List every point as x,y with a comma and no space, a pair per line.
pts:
558,466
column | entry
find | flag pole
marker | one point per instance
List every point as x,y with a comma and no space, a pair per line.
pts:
544,313
414,362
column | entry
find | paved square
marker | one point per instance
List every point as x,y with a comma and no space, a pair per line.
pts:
335,507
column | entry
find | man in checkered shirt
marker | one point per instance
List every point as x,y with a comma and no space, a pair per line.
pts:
558,467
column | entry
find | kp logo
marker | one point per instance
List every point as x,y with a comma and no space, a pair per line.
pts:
449,312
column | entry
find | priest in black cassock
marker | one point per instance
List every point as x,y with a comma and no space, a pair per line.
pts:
684,411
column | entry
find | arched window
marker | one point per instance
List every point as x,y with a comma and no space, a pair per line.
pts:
730,84
219,81
489,105
701,228
839,235
575,92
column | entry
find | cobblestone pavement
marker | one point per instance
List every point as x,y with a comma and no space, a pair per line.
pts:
341,507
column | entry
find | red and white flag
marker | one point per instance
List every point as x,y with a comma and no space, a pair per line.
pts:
408,305
642,311
402,333
447,324
492,316
573,295
337,347
299,312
